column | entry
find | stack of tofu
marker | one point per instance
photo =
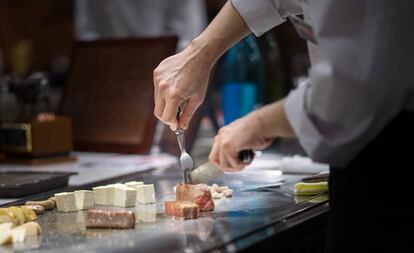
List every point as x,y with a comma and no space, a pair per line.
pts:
121,195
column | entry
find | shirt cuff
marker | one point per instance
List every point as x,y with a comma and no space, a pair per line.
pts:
259,15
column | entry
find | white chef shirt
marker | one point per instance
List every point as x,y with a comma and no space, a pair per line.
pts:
97,19
360,79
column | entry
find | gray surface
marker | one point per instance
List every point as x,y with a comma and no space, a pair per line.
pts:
93,167
246,212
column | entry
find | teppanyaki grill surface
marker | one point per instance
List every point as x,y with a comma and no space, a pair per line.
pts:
15,184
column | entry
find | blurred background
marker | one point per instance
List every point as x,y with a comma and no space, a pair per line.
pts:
77,75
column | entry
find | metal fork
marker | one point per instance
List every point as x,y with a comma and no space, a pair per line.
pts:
186,161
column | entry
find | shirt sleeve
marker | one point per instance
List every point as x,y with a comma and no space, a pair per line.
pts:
362,83
262,15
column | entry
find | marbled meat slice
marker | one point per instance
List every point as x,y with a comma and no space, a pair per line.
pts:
182,209
110,219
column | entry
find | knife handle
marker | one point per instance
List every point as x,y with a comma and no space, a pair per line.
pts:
246,156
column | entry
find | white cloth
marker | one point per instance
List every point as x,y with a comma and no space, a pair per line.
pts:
363,75
302,165
97,19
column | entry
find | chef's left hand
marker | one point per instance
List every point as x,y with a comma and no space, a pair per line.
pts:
243,134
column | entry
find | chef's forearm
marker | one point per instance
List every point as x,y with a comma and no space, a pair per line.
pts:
274,122
226,29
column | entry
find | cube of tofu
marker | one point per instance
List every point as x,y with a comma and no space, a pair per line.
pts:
84,199
66,202
104,195
145,194
133,184
125,196
116,185
100,196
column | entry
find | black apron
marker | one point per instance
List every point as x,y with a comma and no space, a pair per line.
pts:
371,200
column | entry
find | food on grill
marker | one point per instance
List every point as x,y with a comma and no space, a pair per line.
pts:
84,199
29,214
66,202
47,204
219,192
104,195
110,219
133,184
125,196
199,194
145,194
182,209
19,233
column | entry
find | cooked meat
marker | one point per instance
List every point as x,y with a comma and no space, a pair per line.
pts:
199,194
110,219
182,209
47,204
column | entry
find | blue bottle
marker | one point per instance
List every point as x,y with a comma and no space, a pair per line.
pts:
243,80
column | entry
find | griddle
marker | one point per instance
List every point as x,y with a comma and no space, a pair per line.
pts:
236,222
15,184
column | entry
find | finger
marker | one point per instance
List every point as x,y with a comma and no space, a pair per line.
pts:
224,163
155,78
188,113
213,157
159,108
235,162
169,115
155,90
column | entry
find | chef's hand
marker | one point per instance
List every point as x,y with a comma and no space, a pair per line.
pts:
242,134
181,77
256,131
184,76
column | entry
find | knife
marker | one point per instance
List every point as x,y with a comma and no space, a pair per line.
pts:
209,171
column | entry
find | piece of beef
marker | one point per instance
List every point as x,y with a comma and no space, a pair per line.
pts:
182,209
197,193
110,219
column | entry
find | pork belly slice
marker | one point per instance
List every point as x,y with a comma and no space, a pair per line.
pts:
182,209
110,219
199,194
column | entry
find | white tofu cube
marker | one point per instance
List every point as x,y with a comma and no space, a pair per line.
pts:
84,199
133,184
145,194
110,191
116,185
125,196
100,195
66,202
104,195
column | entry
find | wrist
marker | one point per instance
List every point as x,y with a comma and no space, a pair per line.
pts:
262,119
272,120
206,50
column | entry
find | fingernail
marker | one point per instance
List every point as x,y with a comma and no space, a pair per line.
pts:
173,127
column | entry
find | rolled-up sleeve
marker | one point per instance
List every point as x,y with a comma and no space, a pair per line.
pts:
362,83
262,15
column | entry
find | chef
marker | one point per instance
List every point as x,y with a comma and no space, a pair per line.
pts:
355,111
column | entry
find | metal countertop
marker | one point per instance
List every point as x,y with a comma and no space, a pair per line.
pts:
237,222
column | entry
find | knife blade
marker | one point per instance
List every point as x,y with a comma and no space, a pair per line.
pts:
208,171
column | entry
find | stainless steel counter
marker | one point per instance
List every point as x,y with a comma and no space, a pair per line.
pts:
237,223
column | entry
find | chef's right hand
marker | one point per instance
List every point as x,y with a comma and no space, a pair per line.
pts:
181,77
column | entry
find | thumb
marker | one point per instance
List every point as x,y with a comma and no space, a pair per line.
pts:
188,113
